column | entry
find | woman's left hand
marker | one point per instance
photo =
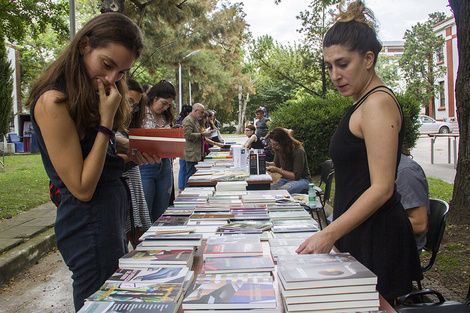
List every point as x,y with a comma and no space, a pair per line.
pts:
320,242
144,158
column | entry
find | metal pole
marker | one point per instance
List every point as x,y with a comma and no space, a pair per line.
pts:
190,100
180,101
72,18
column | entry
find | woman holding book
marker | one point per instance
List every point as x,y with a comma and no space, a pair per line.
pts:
157,178
290,160
369,221
76,105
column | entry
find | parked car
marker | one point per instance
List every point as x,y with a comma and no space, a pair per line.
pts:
428,125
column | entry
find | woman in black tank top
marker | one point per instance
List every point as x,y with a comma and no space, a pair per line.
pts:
369,221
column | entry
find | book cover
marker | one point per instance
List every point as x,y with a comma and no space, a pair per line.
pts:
137,292
230,296
251,238
128,307
157,257
234,277
163,142
171,220
234,249
213,216
282,250
151,240
158,275
238,264
323,270
259,225
326,290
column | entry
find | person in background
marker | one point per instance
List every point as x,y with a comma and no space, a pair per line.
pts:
157,178
185,111
253,141
193,149
215,125
290,160
141,220
76,105
205,126
262,124
368,219
413,187
146,88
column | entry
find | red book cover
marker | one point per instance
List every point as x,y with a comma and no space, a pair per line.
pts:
163,142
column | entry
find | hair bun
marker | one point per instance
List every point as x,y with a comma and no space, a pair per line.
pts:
358,12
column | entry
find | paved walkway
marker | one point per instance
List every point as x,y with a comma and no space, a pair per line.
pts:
27,237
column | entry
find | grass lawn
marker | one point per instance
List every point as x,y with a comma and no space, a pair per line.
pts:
24,184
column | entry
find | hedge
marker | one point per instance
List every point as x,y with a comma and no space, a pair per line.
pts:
314,121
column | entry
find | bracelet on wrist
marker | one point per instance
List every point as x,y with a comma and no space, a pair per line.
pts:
105,130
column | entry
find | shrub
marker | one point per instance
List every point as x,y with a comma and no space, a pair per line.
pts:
228,129
411,109
314,121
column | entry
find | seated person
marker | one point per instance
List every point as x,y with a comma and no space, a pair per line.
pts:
253,141
290,160
413,187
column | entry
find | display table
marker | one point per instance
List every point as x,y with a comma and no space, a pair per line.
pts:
197,265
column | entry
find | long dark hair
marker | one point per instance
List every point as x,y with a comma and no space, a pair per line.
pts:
69,71
355,29
164,89
287,144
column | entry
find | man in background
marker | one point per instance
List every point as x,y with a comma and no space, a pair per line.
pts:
413,188
193,149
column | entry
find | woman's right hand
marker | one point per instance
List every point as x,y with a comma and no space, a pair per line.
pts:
110,99
320,242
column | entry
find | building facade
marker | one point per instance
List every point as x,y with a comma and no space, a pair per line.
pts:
445,104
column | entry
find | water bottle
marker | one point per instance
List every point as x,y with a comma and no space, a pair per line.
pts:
312,196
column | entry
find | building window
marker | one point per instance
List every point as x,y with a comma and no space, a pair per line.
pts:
442,94
440,56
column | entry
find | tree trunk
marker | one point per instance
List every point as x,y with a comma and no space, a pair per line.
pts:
460,204
240,110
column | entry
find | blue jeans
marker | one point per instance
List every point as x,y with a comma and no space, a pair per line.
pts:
292,186
182,174
157,182
190,170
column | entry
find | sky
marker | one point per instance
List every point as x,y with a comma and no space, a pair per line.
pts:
394,17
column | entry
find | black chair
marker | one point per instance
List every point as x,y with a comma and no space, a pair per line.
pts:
436,227
407,304
326,170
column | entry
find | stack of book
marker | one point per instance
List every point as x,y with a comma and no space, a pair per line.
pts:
235,277
335,282
153,284
231,186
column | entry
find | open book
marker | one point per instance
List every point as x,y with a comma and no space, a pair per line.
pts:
163,142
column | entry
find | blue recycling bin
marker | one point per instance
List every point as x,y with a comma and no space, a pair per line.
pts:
33,145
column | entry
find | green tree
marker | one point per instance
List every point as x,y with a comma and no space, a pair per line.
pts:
418,61
460,204
19,18
6,88
315,23
387,69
